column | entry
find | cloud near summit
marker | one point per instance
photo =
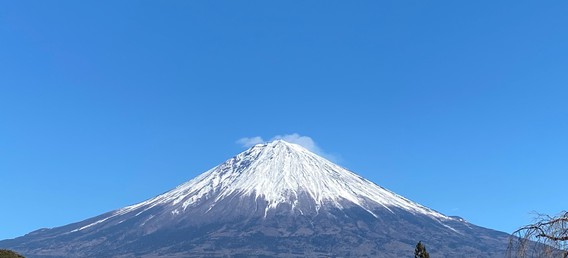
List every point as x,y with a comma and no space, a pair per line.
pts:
250,141
302,140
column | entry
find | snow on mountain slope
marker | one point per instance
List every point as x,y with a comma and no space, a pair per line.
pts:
268,200
279,172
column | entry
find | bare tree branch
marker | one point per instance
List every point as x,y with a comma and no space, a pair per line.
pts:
546,237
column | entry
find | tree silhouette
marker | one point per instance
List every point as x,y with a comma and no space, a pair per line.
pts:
420,251
546,237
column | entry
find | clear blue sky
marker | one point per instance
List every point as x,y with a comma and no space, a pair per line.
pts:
459,105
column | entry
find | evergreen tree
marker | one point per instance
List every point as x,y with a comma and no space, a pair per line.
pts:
420,251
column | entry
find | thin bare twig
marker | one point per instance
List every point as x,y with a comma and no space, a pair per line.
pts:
546,237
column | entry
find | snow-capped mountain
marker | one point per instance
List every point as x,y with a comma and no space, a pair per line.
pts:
274,199
279,173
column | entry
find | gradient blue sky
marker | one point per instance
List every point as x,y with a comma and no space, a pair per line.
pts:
458,105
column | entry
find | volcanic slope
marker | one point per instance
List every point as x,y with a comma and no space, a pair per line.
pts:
274,199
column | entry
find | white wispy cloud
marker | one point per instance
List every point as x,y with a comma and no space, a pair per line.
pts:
302,140
250,141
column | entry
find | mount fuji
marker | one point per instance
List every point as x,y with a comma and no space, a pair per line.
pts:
274,199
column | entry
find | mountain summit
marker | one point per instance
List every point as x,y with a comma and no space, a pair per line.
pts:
274,199
283,174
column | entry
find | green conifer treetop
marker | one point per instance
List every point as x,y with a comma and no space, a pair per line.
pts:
420,251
